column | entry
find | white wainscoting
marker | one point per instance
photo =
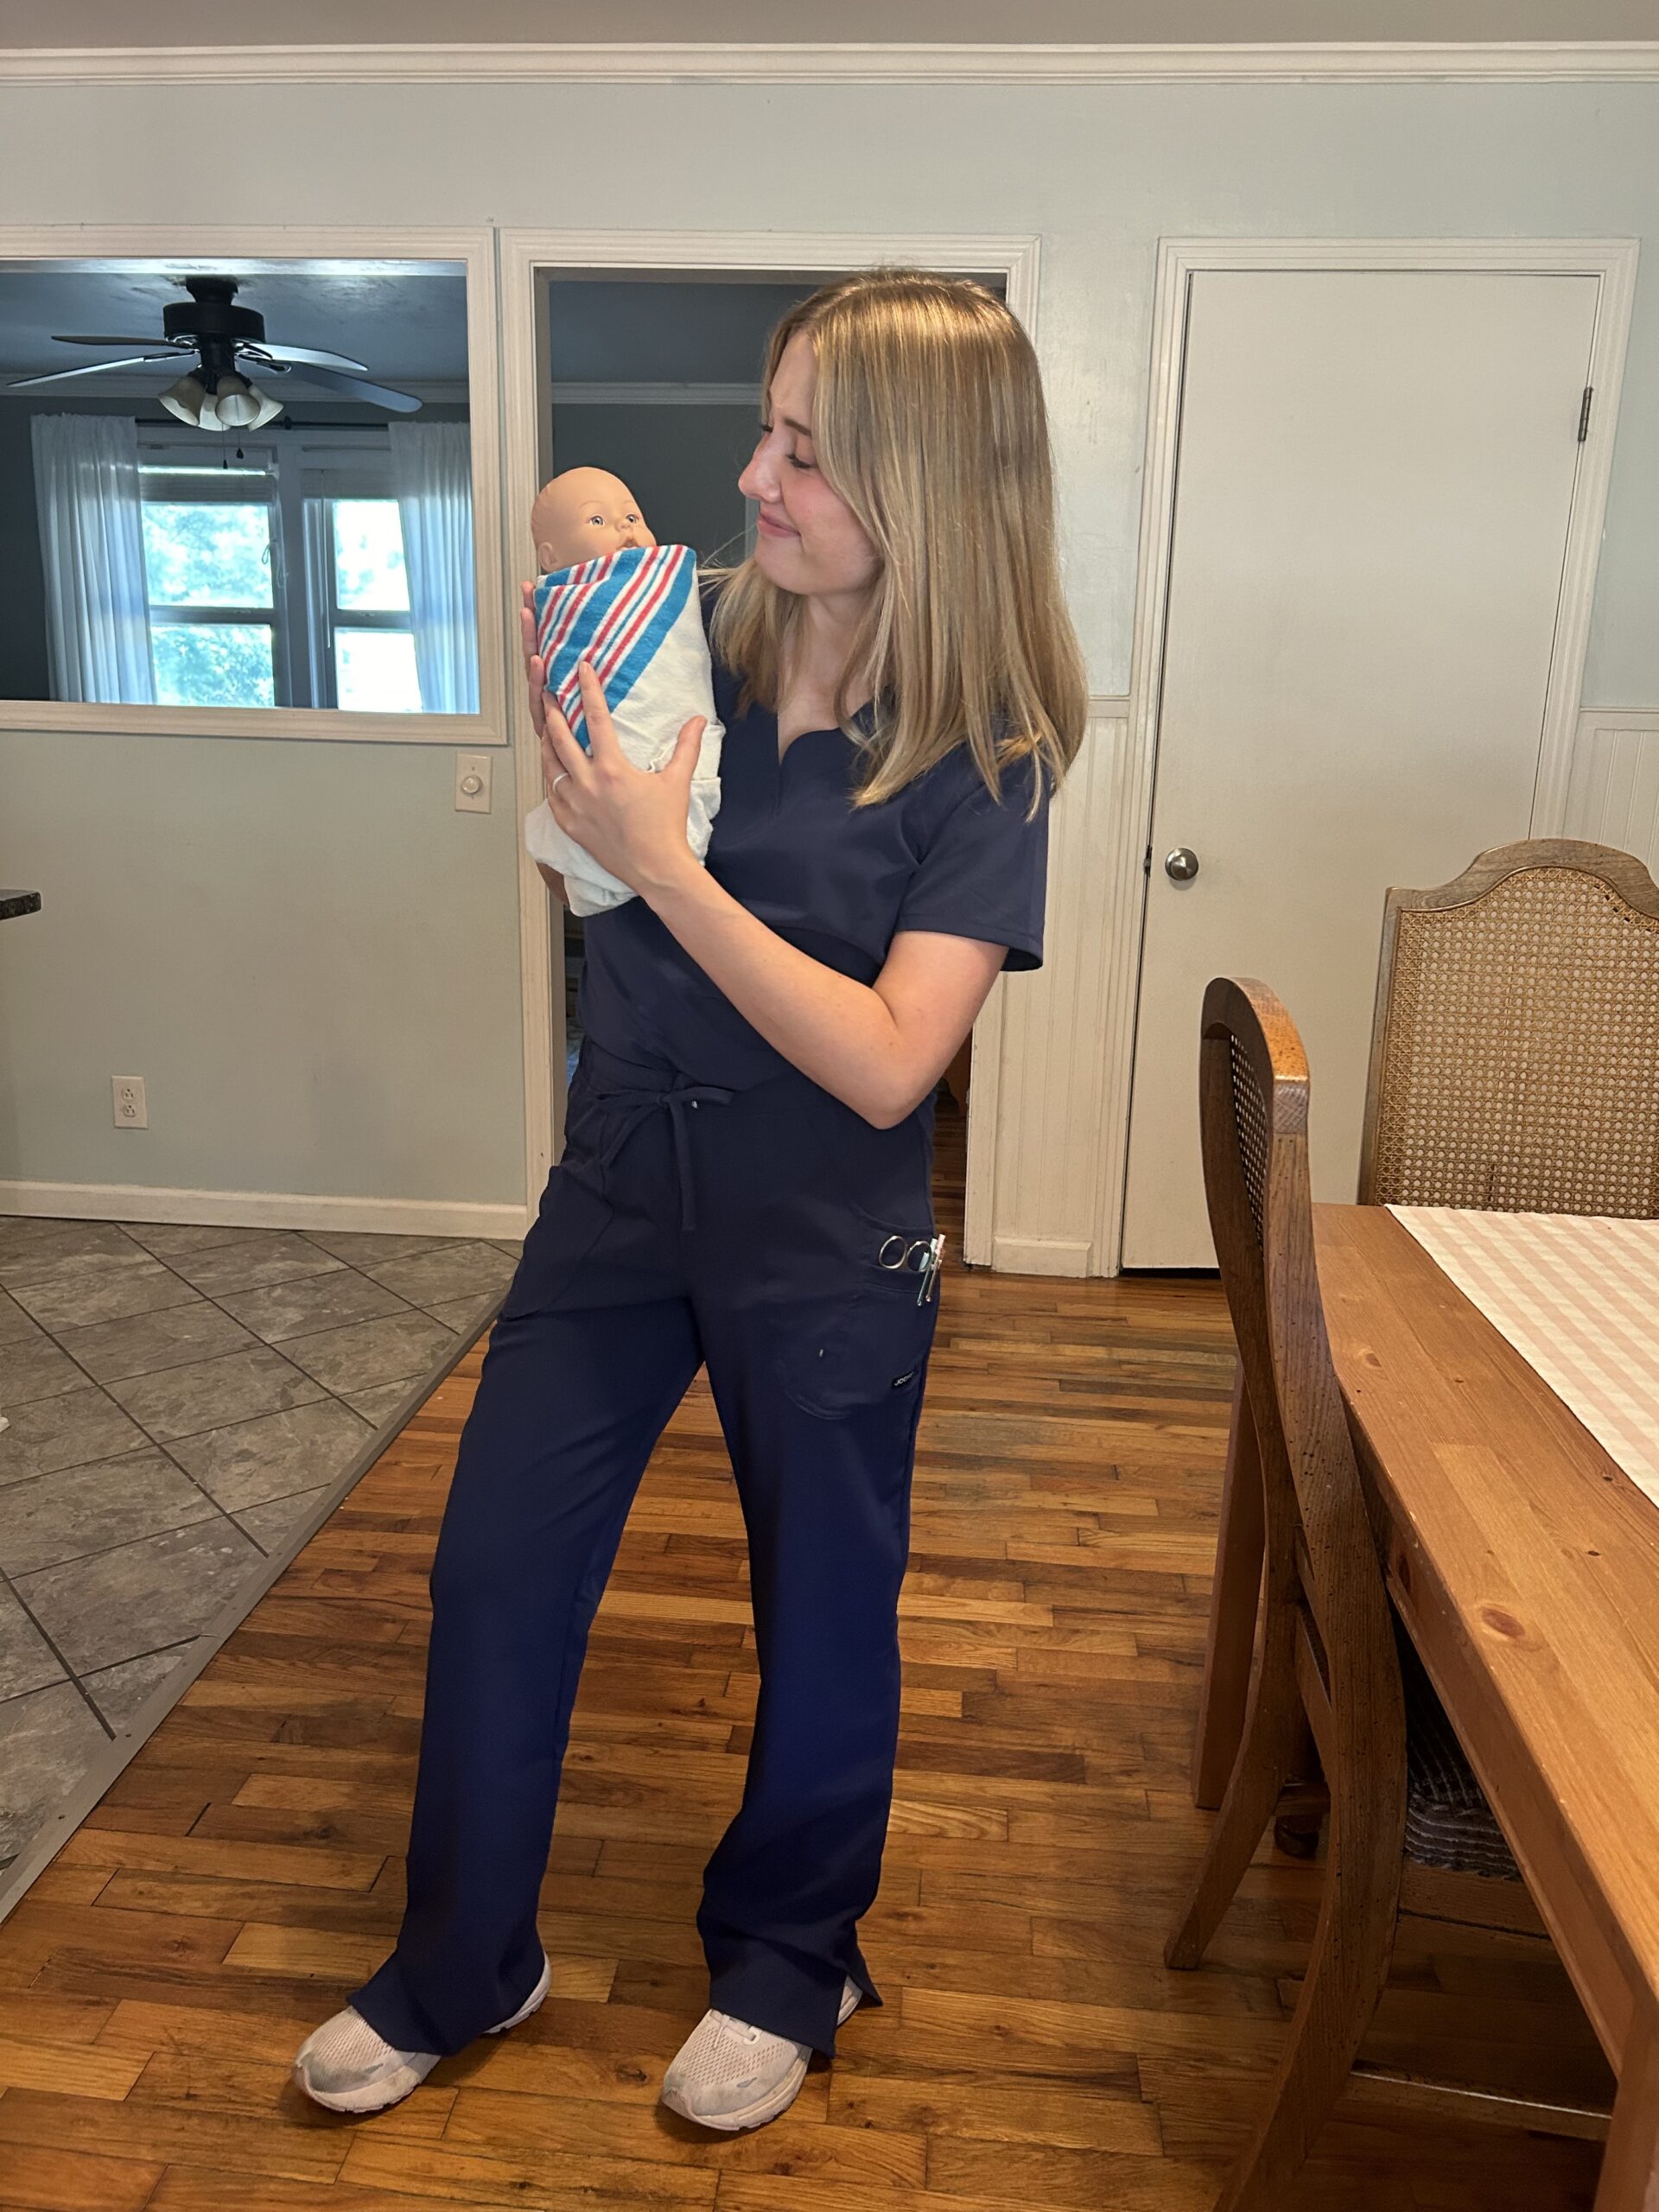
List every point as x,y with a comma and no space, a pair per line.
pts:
1613,797
1051,1145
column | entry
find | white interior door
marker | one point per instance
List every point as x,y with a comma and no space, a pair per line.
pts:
1375,481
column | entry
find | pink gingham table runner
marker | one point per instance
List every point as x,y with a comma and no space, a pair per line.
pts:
1578,1296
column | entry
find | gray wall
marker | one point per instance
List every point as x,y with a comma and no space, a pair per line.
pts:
319,861
309,954
23,670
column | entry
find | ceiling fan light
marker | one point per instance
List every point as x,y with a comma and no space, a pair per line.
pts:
189,400
236,404
270,409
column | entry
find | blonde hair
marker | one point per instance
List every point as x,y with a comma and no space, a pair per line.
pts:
929,422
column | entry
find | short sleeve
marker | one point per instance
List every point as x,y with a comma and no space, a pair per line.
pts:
983,871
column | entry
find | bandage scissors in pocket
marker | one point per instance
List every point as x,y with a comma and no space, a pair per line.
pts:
922,1254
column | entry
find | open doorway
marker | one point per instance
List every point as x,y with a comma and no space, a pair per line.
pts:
655,375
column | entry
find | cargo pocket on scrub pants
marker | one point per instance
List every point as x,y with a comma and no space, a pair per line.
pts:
869,1342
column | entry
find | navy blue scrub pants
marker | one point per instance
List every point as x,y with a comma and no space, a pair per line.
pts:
685,1224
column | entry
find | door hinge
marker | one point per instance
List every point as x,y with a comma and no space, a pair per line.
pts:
1146,865
1584,413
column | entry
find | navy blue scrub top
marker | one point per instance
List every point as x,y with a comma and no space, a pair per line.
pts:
838,881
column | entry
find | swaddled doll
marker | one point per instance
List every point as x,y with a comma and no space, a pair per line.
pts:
613,596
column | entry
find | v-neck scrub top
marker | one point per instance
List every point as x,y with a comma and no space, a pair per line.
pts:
837,880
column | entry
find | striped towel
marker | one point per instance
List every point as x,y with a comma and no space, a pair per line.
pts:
635,616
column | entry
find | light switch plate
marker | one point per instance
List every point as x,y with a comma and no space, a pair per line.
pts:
473,783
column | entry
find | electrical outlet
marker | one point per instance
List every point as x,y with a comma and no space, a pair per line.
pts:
130,1111
473,783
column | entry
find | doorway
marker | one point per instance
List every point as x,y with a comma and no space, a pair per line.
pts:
615,346
1366,660
655,375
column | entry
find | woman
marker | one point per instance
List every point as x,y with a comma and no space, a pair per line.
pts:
746,1181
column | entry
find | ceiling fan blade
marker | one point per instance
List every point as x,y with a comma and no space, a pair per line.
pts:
302,356
90,369
377,395
60,338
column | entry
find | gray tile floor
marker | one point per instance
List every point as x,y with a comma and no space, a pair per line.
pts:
178,1400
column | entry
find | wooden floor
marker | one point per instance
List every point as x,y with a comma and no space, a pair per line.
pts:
244,1874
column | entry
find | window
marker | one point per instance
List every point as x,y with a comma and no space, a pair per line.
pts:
210,554
363,637
235,621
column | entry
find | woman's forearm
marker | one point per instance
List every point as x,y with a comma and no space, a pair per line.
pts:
838,1032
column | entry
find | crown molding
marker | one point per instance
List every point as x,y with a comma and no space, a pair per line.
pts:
1339,61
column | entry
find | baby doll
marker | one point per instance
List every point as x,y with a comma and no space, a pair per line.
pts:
610,594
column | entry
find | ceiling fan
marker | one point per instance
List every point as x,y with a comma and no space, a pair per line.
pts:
215,393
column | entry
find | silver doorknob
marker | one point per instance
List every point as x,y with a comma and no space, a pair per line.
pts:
1182,865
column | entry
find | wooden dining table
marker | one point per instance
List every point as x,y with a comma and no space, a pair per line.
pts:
1523,1561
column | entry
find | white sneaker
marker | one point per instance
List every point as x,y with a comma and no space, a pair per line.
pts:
730,2076
348,2067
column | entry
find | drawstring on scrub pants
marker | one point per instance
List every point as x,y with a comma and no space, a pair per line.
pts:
677,1099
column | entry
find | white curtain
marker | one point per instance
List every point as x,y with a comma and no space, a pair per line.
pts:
93,553
432,475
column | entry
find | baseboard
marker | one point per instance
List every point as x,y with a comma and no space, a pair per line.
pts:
262,1209
1041,1256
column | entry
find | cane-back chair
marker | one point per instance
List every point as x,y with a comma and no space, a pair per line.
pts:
1515,1049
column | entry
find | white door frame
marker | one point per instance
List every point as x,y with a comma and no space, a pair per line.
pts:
784,254
1612,262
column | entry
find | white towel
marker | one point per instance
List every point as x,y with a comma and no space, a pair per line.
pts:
635,615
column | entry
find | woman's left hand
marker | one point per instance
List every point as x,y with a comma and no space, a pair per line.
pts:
633,822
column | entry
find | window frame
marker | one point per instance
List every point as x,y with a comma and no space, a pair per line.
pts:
304,473
156,449
255,251
325,616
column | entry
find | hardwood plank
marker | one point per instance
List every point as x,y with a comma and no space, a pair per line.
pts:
494,2124
47,2180
156,2134
987,2110
73,2070
573,2184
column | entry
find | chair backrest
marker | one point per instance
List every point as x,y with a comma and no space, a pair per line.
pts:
1321,1551
1515,1049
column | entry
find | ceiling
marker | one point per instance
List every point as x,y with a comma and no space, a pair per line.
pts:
408,327
1158,22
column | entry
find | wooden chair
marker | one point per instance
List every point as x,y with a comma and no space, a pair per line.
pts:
1326,1658
1515,1051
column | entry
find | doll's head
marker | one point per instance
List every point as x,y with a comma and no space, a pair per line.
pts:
584,514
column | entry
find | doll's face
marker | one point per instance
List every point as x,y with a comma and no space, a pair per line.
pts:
584,514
